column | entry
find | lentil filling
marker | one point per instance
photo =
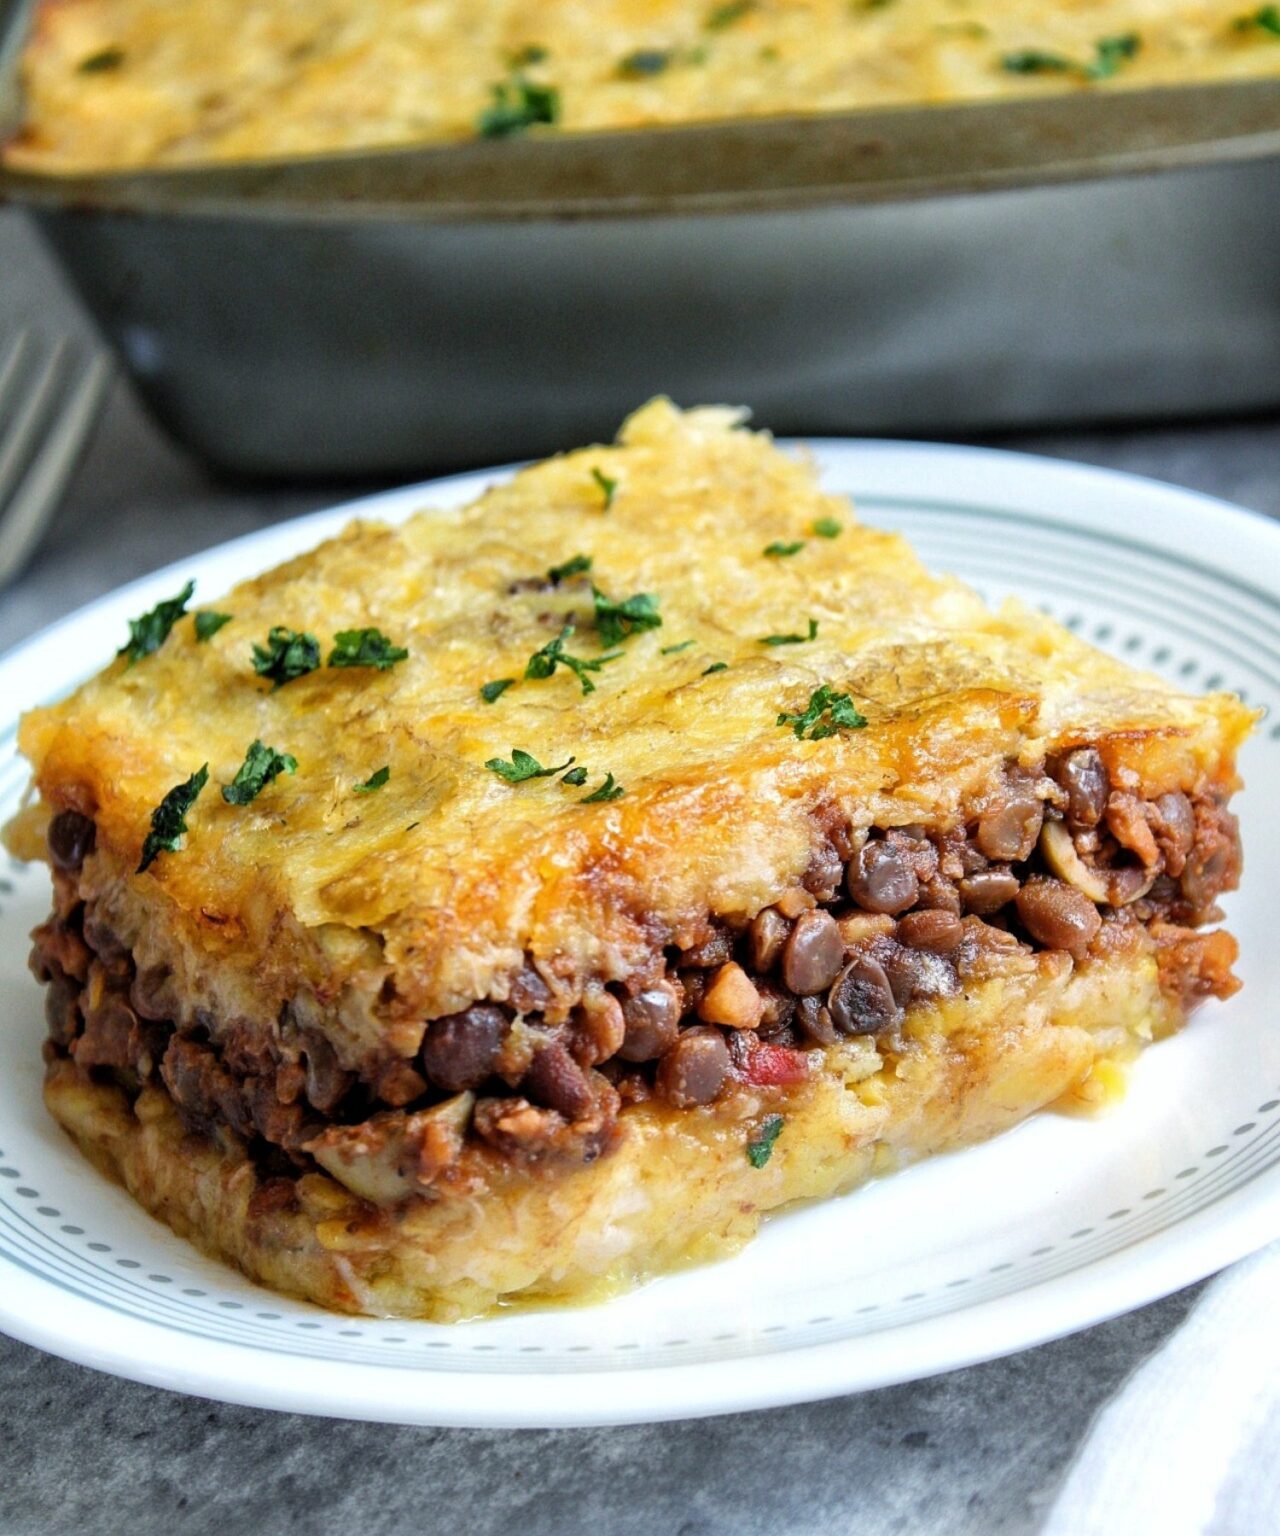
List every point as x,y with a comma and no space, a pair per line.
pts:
884,922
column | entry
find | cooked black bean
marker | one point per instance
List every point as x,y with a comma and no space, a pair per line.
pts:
1008,831
916,975
812,1019
693,1071
861,999
710,954
881,879
1083,775
988,890
813,955
779,1005
765,938
653,1021
71,838
826,870
935,930
555,1080
1057,915
459,1052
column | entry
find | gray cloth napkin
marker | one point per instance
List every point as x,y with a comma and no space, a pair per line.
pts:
1190,1446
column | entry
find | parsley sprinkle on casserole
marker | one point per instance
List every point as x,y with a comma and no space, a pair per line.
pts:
600,973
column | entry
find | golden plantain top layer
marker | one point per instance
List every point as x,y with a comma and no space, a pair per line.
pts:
433,889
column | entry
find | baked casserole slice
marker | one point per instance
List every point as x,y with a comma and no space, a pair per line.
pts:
522,901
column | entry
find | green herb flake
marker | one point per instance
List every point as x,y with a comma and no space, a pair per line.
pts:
1035,61
826,713
607,485
779,550
617,621
261,765
491,692
793,639
1111,54
1265,19
644,63
102,62
376,781
716,666
288,654
828,528
150,632
607,791
542,664
365,648
674,650
575,776
169,819
725,15
209,623
518,104
579,565
760,1147
523,765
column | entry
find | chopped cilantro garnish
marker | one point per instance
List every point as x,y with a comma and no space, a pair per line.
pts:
288,653
607,485
209,623
644,62
261,765
1035,61
838,708
518,104
1265,19
489,692
552,655
827,528
674,650
375,781
726,15
616,621
607,791
150,632
575,776
169,819
1110,53
523,765
780,549
793,639
577,566
716,666
531,53
102,61
760,1147
365,648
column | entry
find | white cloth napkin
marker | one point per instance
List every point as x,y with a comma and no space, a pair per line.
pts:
1190,1446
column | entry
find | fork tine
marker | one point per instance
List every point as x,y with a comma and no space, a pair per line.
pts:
18,440
11,366
32,505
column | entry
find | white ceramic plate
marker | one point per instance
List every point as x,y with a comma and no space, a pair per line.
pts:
1057,1225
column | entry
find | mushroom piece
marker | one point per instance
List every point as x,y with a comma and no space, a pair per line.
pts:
1112,887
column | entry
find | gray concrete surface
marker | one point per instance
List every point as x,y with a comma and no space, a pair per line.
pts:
978,1451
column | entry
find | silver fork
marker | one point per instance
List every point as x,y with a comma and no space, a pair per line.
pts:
50,397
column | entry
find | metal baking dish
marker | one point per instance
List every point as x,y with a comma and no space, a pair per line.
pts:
941,269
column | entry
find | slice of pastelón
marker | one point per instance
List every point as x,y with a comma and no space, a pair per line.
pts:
520,901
